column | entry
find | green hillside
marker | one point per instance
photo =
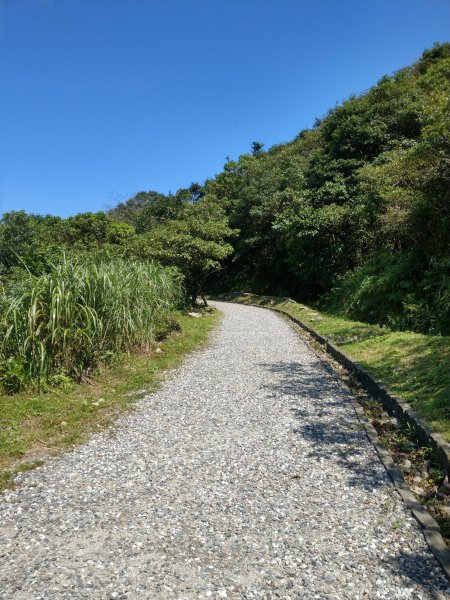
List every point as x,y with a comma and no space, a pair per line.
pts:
355,212
353,215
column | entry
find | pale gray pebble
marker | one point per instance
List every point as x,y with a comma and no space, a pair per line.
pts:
245,476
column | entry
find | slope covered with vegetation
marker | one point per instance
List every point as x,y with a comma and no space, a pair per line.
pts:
353,214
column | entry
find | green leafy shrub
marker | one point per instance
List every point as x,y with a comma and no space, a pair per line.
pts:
397,290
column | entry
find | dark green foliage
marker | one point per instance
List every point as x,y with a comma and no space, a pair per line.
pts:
93,230
195,242
359,204
147,210
393,289
34,242
25,240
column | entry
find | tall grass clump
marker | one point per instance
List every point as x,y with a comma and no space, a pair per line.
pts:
66,321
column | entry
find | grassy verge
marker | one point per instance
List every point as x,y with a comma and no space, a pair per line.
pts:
411,365
34,426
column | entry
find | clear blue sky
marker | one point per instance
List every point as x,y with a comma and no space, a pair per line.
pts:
103,98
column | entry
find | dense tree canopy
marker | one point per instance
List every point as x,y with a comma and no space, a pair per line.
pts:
195,242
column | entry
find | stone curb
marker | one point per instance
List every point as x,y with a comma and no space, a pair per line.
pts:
425,434
430,527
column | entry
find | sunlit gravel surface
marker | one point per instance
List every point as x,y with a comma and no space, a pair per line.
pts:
246,476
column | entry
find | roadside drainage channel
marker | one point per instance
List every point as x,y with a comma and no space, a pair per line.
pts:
399,408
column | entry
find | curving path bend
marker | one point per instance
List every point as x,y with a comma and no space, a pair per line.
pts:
245,476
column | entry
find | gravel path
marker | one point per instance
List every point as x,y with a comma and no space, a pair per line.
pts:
246,476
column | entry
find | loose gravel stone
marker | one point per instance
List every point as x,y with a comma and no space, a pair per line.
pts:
246,476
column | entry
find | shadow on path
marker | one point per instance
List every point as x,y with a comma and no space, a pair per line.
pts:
326,420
